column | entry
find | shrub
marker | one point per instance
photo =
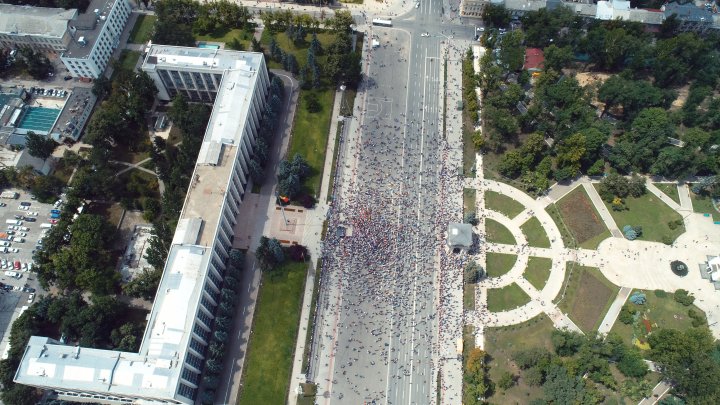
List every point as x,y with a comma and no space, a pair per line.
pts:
471,218
672,225
684,297
626,315
297,253
307,201
660,294
507,380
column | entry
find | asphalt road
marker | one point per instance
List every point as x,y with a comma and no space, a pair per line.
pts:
380,324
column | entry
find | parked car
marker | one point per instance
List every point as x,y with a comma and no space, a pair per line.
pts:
66,78
32,213
19,217
53,221
54,211
23,208
23,228
2,204
30,219
18,239
31,297
4,243
13,250
25,204
13,274
17,264
23,234
13,227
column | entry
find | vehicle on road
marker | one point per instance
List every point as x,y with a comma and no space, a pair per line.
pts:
13,227
30,219
23,228
66,78
417,4
55,211
32,213
17,264
13,222
18,239
23,208
382,22
425,34
13,250
4,243
45,226
53,221
3,204
25,204
23,234
13,274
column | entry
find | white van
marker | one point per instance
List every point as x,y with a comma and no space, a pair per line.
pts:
13,274
46,225
13,222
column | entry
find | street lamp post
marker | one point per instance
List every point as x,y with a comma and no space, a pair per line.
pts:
282,207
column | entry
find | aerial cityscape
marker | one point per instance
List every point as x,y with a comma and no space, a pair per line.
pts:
321,202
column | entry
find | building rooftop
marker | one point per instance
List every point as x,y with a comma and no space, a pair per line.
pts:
27,20
688,12
460,235
88,25
166,56
534,59
156,367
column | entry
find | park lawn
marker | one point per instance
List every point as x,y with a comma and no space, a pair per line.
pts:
502,342
498,233
504,299
142,30
535,233
588,295
670,190
652,214
663,312
578,215
275,326
538,271
498,264
300,52
226,36
703,204
469,296
503,204
469,198
310,135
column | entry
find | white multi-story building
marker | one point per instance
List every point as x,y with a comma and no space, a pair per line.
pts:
41,28
167,368
96,34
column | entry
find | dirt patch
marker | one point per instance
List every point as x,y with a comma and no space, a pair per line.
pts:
580,216
591,78
679,102
589,301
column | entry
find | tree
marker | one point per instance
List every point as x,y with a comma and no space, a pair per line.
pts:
557,57
255,44
684,297
473,272
496,16
632,364
512,52
101,87
237,258
471,218
38,65
507,380
340,22
613,185
570,152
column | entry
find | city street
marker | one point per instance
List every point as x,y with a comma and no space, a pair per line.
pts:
377,338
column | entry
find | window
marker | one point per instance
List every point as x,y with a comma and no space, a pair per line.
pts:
193,360
198,330
187,392
190,376
205,318
197,346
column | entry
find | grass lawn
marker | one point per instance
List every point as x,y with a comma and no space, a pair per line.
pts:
501,343
498,233
650,213
578,220
538,271
669,189
123,154
310,135
703,204
142,31
469,197
503,204
662,313
469,296
275,326
348,102
300,51
63,171
243,37
588,295
498,264
128,60
535,233
506,298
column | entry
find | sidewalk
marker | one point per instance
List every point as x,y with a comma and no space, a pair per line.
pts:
602,210
614,310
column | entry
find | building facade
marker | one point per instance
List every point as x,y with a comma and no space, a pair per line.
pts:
167,368
96,34
40,28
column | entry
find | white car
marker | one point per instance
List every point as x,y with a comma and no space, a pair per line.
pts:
23,234
24,267
31,298
32,213
23,228
4,243
13,250
18,239
23,208
425,34
417,4
13,228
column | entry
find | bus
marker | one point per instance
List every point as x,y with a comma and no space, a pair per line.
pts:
381,22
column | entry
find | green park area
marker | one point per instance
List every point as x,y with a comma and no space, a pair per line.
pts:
660,311
578,221
538,271
469,198
496,232
143,29
502,342
128,60
235,38
498,264
670,190
535,233
586,296
703,204
272,344
653,215
507,298
503,204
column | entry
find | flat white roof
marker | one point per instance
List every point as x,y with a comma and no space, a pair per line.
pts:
157,366
40,21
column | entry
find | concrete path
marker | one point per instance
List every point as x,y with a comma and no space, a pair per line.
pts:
658,391
602,210
662,196
685,201
614,310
